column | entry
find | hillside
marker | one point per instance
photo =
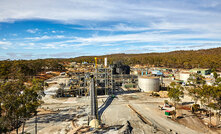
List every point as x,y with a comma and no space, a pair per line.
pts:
205,58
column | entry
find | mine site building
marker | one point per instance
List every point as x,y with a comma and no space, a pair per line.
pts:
157,73
201,71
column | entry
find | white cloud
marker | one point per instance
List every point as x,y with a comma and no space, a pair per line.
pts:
116,23
146,37
14,34
76,11
32,30
118,27
5,44
45,37
49,46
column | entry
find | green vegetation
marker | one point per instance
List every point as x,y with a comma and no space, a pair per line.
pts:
18,102
175,92
208,58
209,96
27,68
196,80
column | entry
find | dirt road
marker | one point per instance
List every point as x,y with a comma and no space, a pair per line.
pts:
119,112
60,111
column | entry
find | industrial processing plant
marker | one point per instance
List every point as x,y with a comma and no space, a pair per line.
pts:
109,92
114,97
110,67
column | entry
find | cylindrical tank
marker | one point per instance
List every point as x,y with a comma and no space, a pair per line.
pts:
148,84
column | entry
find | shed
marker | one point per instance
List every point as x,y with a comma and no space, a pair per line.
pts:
201,71
157,72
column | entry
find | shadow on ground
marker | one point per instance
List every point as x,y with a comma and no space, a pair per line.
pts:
109,100
53,117
104,106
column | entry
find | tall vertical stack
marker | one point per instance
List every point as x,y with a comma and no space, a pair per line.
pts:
93,95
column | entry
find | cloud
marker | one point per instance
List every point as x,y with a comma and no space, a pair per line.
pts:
5,44
15,55
154,37
28,55
76,11
45,37
49,46
67,54
118,27
147,37
113,26
32,30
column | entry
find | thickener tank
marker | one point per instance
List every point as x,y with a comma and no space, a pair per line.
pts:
148,84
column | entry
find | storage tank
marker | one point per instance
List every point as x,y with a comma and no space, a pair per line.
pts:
148,84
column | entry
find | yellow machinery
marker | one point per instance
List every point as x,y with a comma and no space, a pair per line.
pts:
96,61
105,59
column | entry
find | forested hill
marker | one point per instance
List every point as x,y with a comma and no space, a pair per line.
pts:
205,58
208,58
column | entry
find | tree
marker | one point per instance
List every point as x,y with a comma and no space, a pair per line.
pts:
31,100
175,92
216,104
196,80
206,95
19,102
5,69
194,93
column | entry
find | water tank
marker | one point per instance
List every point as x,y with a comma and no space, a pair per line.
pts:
148,84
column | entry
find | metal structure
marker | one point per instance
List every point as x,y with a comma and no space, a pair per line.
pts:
104,79
93,96
148,84
119,68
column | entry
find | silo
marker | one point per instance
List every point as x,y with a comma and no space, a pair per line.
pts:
148,84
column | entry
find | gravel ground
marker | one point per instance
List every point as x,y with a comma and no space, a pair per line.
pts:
114,113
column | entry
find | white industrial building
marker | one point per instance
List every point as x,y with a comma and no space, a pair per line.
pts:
184,76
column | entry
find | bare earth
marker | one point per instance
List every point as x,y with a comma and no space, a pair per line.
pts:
56,114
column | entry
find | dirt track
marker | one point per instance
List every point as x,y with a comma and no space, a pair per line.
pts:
119,111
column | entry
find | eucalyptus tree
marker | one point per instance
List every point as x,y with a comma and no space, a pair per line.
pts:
196,80
175,93
207,94
216,102
18,102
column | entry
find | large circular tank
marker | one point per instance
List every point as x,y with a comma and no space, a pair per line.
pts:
148,84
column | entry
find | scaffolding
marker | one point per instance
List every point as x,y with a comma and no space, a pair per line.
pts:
104,80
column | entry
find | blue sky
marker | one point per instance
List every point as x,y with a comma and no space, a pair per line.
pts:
31,29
